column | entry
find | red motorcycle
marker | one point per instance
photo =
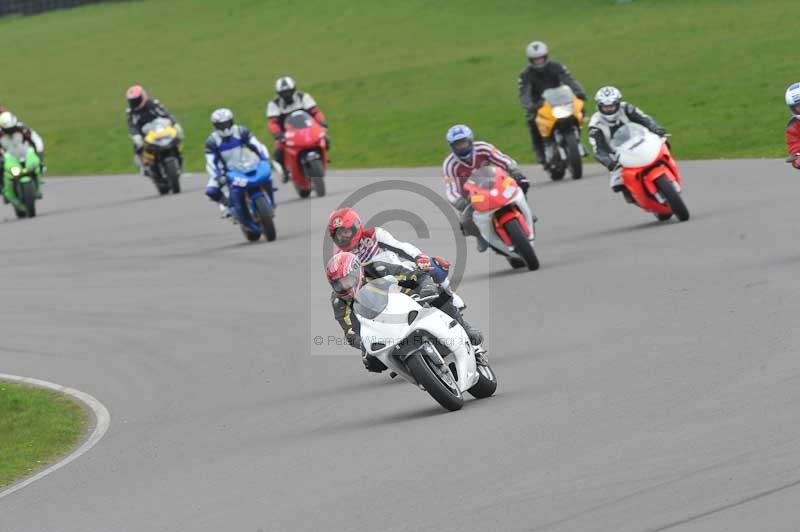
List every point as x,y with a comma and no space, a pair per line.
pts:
503,217
649,172
306,153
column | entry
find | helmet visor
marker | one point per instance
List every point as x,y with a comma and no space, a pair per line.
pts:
223,126
538,61
136,103
286,95
608,109
795,109
462,147
347,285
343,236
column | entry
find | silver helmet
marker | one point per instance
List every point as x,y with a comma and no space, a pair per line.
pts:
609,102
537,53
222,120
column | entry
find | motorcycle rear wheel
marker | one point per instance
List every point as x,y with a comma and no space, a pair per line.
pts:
486,385
420,368
521,244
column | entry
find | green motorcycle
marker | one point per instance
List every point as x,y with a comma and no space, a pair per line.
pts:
21,182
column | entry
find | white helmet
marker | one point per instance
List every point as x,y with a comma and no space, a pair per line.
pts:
537,54
793,99
7,120
222,120
285,88
608,100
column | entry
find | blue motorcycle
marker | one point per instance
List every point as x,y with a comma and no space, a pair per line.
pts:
251,201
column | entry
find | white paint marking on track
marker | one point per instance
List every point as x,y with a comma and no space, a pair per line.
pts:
102,422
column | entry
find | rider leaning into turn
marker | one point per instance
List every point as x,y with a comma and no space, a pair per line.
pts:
380,254
793,127
613,113
541,74
231,147
466,156
141,111
16,140
286,101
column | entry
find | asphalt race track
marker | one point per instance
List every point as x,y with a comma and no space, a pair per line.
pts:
649,375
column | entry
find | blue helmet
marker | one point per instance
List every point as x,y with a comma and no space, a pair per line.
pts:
457,133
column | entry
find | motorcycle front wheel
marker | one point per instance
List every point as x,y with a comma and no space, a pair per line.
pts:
674,199
446,394
521,244
265,217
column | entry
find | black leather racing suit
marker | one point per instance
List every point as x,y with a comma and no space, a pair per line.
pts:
532,83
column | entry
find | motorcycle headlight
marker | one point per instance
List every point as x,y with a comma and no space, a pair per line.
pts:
562,111
16,171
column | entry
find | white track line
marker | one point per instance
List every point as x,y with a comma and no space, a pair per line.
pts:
102,421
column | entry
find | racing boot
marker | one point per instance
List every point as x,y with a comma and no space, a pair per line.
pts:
481,243
480,356
475,334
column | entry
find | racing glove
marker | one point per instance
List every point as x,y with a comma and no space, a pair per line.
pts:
436,267
461,203
521,180
138,142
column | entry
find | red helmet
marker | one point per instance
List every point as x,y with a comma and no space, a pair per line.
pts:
136,96
345,228
344,273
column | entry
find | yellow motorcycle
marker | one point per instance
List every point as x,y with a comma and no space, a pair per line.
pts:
559,120
162,155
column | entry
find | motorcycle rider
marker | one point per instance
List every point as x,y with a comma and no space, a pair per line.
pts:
15,138
467,155
792,98
286,101
542,74
232,147
376,244
141,111
612,113
346,274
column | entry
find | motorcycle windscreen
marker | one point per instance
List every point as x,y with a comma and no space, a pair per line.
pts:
299,120
484,177
635,146
373,297
156,125
562,95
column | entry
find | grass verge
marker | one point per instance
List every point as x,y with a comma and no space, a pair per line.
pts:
392,76
36,427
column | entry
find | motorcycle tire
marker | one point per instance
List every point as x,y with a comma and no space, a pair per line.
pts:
173,170
316,172
448,397
28,198
265,218
486,385
521,244
574,159
673,198
250,236
557,171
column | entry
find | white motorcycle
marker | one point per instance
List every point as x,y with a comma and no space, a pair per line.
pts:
421,343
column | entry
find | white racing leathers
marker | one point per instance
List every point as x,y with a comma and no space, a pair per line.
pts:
378,245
